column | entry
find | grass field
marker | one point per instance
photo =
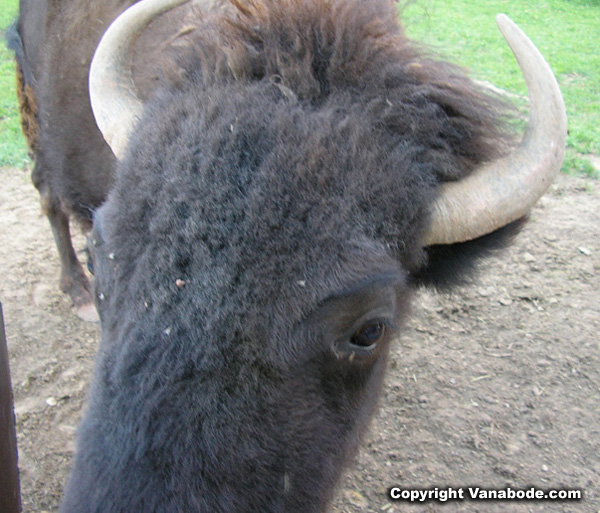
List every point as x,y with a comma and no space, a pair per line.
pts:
566,31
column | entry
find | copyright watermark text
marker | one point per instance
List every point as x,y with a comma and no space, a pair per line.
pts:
477,493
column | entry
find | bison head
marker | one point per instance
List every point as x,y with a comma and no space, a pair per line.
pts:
273,210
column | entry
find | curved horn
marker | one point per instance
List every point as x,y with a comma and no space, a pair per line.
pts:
503,191
113,94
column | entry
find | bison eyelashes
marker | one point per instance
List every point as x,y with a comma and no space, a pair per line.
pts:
364,344
367,336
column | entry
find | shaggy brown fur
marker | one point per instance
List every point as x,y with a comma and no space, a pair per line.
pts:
321,53
28,111
317,49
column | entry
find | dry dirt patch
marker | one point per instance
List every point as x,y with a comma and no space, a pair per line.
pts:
494,385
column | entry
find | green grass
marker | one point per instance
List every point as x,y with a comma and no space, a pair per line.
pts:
566,31
13,149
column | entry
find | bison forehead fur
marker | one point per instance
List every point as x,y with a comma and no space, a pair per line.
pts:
271,203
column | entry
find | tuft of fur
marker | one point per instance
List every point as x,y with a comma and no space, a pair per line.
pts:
453,264
28,108
28,111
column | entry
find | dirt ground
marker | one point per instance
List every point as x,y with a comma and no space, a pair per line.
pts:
494,385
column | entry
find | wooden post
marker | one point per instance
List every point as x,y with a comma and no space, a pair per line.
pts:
10,495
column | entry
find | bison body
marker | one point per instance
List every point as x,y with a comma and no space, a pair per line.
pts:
74,168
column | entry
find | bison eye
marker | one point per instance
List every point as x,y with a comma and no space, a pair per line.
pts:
368,335
90,263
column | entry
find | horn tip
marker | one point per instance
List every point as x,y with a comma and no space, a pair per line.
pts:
505,23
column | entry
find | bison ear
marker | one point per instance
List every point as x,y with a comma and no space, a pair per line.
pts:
448,265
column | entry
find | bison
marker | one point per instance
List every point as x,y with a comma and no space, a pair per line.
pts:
54,43
287,174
